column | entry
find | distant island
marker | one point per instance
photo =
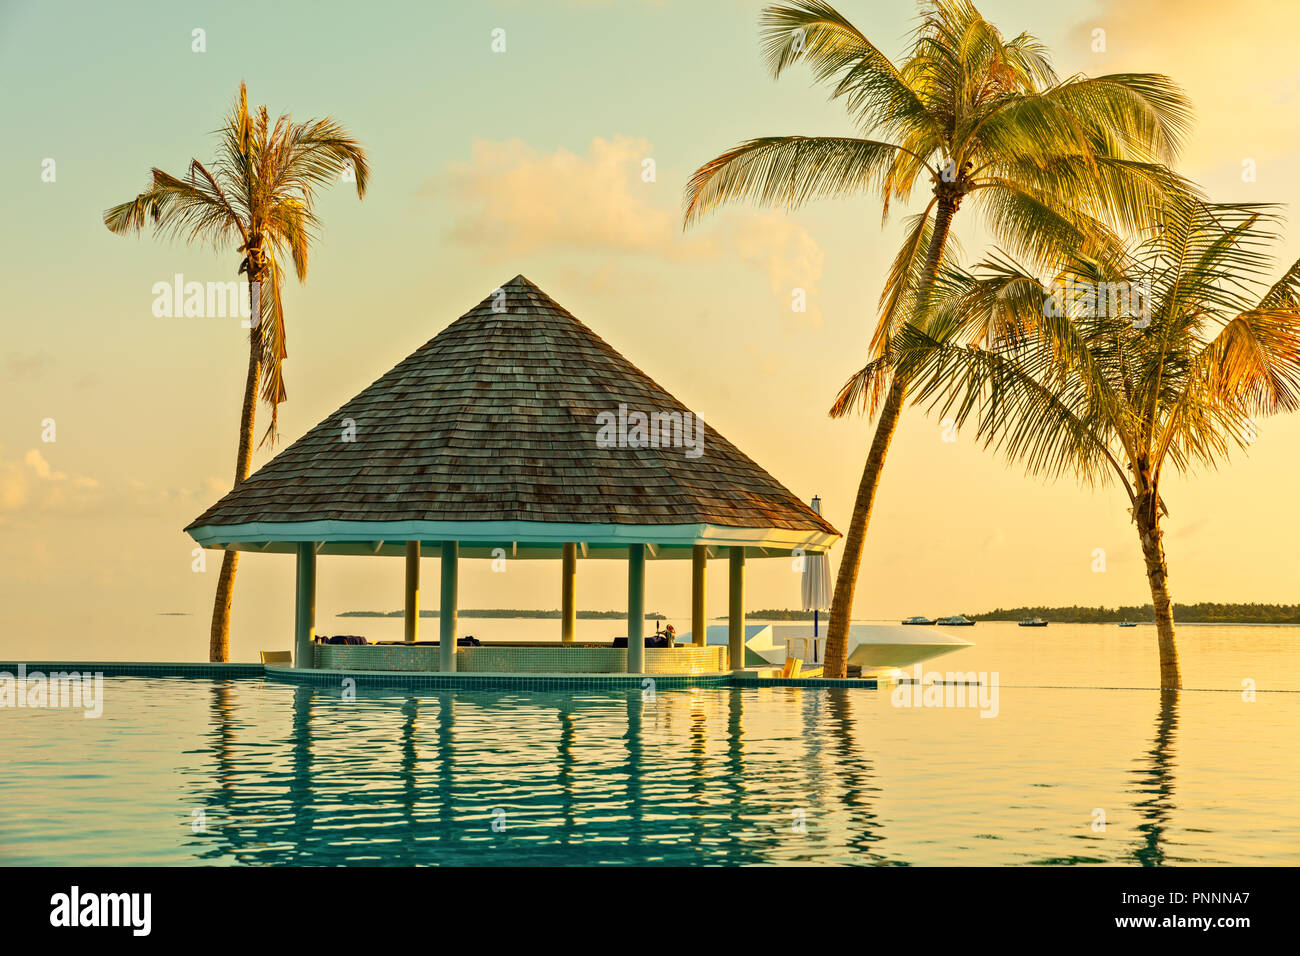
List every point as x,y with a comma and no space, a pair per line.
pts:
1203,613
511,613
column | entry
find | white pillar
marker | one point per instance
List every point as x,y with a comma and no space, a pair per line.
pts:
699,571
736,608
568,588
447,607
636,608
304,627
412,619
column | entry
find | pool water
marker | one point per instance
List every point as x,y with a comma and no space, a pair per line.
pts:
180,771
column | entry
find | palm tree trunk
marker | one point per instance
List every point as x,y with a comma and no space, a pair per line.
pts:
835,662
219,636
1153,550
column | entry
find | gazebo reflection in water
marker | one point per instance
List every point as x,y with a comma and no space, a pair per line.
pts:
589,778
487,442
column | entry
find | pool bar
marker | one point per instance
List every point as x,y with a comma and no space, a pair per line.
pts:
517,433
434,680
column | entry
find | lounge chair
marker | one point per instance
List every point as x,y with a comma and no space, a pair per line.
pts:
276,657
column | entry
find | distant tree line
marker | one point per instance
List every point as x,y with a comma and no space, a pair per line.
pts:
1206,612
498,612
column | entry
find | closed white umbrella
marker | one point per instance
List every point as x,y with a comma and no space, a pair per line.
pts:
816,583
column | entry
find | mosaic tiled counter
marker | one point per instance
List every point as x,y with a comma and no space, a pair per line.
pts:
520,658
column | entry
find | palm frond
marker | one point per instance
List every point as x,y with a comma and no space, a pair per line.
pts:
1146,114
274,348
1100,391
864,389
815,33
898,294
786,171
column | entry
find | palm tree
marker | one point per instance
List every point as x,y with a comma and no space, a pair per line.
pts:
1161,352
258,198
971,114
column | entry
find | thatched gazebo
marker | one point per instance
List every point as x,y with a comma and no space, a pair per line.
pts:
516,430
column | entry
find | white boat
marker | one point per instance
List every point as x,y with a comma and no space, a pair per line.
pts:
879,649
876,648
760,650
916,619
957,620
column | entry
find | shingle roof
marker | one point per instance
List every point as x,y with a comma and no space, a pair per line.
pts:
495,419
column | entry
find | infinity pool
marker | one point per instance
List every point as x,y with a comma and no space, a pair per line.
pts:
180,771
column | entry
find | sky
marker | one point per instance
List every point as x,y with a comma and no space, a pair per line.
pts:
486,164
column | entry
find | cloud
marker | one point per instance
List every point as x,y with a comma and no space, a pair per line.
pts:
27,366
32,484
792,259
196,498
512,199
36,461
13,488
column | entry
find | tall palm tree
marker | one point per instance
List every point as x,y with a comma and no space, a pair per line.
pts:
1158,353
1052,164
258,198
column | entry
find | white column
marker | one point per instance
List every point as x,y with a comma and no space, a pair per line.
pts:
447,607
568,588
636,608
304,627
412,619
736,608
699,572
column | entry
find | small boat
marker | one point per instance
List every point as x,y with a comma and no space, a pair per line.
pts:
918,619
1127,624
957,620
1033,622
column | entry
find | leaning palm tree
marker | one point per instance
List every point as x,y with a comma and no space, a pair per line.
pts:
1051,164
1160,353
257,198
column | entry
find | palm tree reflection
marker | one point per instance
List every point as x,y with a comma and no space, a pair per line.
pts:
855,775
1156,780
